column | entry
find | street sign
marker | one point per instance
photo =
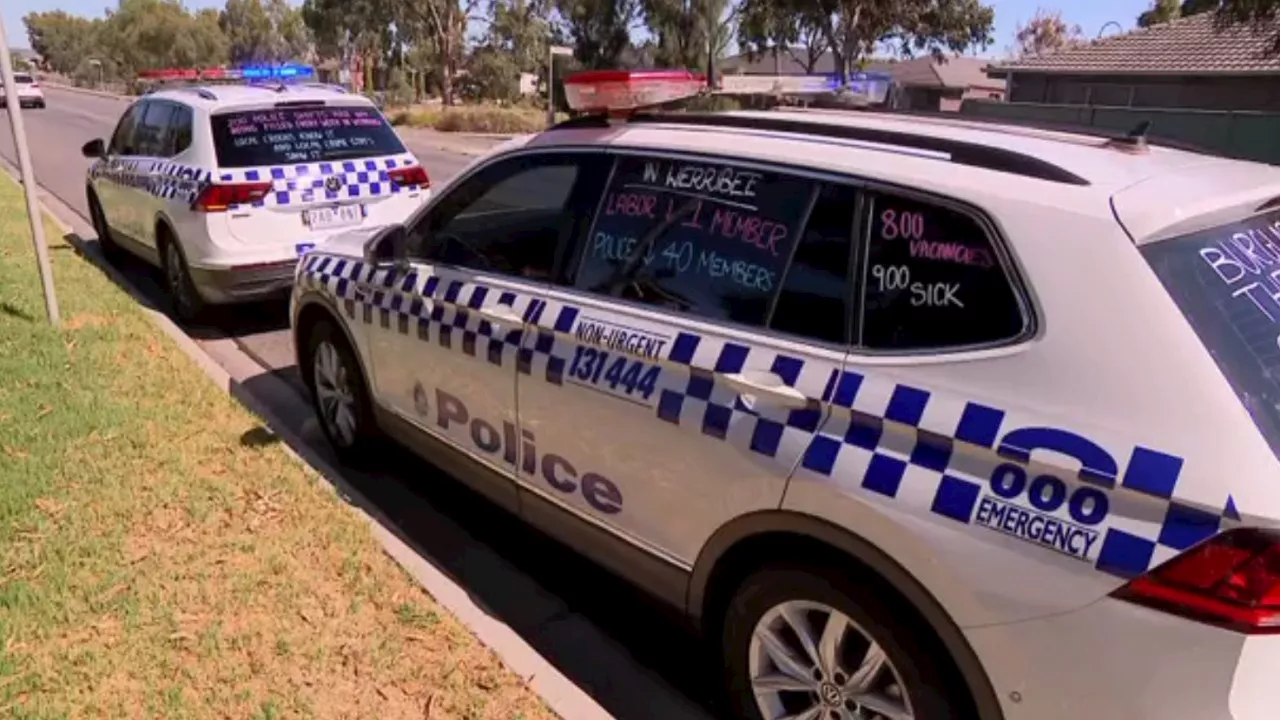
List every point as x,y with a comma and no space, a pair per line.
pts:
561,50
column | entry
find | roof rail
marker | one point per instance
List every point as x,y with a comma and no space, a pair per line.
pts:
959,151
324,86
204,93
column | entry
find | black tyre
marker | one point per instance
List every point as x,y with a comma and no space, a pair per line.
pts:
340,395
188,306
106,242
814,642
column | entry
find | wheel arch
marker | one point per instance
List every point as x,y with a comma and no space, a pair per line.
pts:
310,309
751,541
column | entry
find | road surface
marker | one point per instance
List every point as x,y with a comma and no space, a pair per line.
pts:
633,657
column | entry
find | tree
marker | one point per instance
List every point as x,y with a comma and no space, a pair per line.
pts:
1045,33
1161,11
270,33
599,30
145,34
854,28
691,33
61,39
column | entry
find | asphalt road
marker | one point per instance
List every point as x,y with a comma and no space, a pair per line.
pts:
633,657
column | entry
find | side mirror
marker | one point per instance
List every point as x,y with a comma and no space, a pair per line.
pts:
94,149
388,247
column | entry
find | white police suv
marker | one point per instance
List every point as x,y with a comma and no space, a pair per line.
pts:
224,187
917,418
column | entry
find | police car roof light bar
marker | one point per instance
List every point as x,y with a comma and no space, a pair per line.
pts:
1231,580
621,93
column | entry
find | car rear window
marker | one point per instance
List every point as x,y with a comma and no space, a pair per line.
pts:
1226,281
23,79
281,136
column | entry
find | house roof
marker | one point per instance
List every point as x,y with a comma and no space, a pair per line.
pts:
1189,45
955,72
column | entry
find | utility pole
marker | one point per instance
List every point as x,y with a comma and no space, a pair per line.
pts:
28,177
552,52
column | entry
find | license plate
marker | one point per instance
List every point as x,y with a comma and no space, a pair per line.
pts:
304,248
333,216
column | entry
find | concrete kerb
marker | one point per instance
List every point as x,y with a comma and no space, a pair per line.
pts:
560,694
87,91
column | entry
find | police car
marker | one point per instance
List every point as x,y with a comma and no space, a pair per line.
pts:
225,186
915,417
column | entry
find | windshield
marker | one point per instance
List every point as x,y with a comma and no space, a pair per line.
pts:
281,136
1226,281
22,79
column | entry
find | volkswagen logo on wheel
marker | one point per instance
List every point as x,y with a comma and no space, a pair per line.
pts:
333,183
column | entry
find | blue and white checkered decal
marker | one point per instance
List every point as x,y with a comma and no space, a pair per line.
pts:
920,451
305,183
291,184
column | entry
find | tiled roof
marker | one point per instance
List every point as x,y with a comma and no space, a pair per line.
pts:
1190,45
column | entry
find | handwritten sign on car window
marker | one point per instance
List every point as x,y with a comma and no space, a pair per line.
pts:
932,279
704,236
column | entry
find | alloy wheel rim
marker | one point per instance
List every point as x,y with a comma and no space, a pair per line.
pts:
334,397
809,661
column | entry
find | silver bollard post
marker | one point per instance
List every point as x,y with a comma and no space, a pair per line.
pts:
28,177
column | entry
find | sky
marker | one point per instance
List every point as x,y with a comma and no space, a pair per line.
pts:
1091,15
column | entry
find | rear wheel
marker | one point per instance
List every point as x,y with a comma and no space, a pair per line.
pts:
107,243
187,303
812,643
339,394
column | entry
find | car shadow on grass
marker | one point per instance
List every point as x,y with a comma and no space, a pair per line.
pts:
595,628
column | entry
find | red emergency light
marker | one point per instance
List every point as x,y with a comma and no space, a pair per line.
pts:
619,93
211,73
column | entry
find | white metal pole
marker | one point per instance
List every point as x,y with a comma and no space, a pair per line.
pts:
551,84
28,177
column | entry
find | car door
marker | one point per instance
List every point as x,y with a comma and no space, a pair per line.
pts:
109,175
444,331
153,145
673,383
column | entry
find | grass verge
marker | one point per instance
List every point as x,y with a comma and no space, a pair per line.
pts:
157,561
473,119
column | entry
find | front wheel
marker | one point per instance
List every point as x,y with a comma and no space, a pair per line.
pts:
812,643
107,243
340,394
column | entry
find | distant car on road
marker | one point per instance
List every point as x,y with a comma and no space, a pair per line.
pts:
30,94
916,418
224,187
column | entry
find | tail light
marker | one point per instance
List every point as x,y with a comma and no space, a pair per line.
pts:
1231,580
411,177
217,198
35,86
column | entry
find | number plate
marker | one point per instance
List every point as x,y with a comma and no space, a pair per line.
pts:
333,216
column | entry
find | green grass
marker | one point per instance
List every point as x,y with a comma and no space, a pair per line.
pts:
513,120
152,565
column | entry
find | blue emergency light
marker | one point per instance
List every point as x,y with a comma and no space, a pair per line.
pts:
277,72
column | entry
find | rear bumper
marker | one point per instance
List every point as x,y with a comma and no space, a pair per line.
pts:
228,285
1116,661
24,101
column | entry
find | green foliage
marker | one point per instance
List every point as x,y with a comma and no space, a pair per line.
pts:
491,75
1046,32
853,28
1161,11
61,39
273,32
599,30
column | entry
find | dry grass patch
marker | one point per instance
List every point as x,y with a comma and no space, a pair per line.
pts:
494,119
154,565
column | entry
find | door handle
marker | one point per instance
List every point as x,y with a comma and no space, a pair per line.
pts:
767,388
502,316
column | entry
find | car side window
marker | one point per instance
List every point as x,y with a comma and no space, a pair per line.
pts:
180,129
933,279
151,136
708,237
122,139
817,296
514,217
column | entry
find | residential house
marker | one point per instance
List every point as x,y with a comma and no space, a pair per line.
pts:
923,83
1188,63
